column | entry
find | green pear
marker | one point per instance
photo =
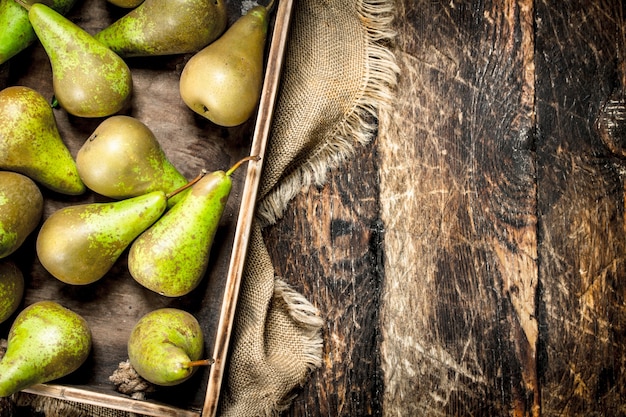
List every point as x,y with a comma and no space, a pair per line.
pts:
171,257
165,346
79,244
223,81
89,79
30,142
21,209
11,288
122,158
17,32
126,4
166,27
46,341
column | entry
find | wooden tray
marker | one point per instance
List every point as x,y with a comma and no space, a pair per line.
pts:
114,304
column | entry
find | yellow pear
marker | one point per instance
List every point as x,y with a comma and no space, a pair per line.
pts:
223,81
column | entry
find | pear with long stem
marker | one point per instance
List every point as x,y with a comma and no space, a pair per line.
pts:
171,257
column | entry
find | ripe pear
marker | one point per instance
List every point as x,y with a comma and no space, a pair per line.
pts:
223,81
17,32
79,244
166,27
46,341
31,144
122,158
89,79
165,346
126,4
171,257
11,288
21,209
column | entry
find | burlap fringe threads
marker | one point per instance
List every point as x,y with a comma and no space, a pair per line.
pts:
359,125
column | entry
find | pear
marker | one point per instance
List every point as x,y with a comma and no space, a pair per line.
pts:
89,79
79,244
126,4
171,257
223,81
46,341
30,142
165,346
17,32
166,27
21,209
122,158
11,288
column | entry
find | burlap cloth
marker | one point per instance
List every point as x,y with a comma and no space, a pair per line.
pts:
338,73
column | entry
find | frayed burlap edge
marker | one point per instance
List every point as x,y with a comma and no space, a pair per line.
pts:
359,124
308,318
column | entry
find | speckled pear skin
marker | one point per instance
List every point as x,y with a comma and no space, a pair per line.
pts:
31,144
166,27
122,158
223,81
162,343
11,288
17,33
79,244
21,209
89,79
126,4
171,257
47,341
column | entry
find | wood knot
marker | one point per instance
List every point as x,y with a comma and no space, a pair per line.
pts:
611,123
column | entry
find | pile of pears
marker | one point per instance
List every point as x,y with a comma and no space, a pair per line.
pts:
221,81
165,222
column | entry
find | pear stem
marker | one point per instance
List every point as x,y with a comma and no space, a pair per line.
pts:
27,6
184,187
238,164
201,362
270,6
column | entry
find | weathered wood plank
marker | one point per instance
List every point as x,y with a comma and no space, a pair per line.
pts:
458,202
328,246
582,249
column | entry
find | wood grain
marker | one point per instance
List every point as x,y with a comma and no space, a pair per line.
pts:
458,201
581,203
328,246
501,195
470,261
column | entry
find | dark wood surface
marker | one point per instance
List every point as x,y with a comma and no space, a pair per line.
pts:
470,261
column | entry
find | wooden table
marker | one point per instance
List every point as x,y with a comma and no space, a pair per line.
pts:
471,260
